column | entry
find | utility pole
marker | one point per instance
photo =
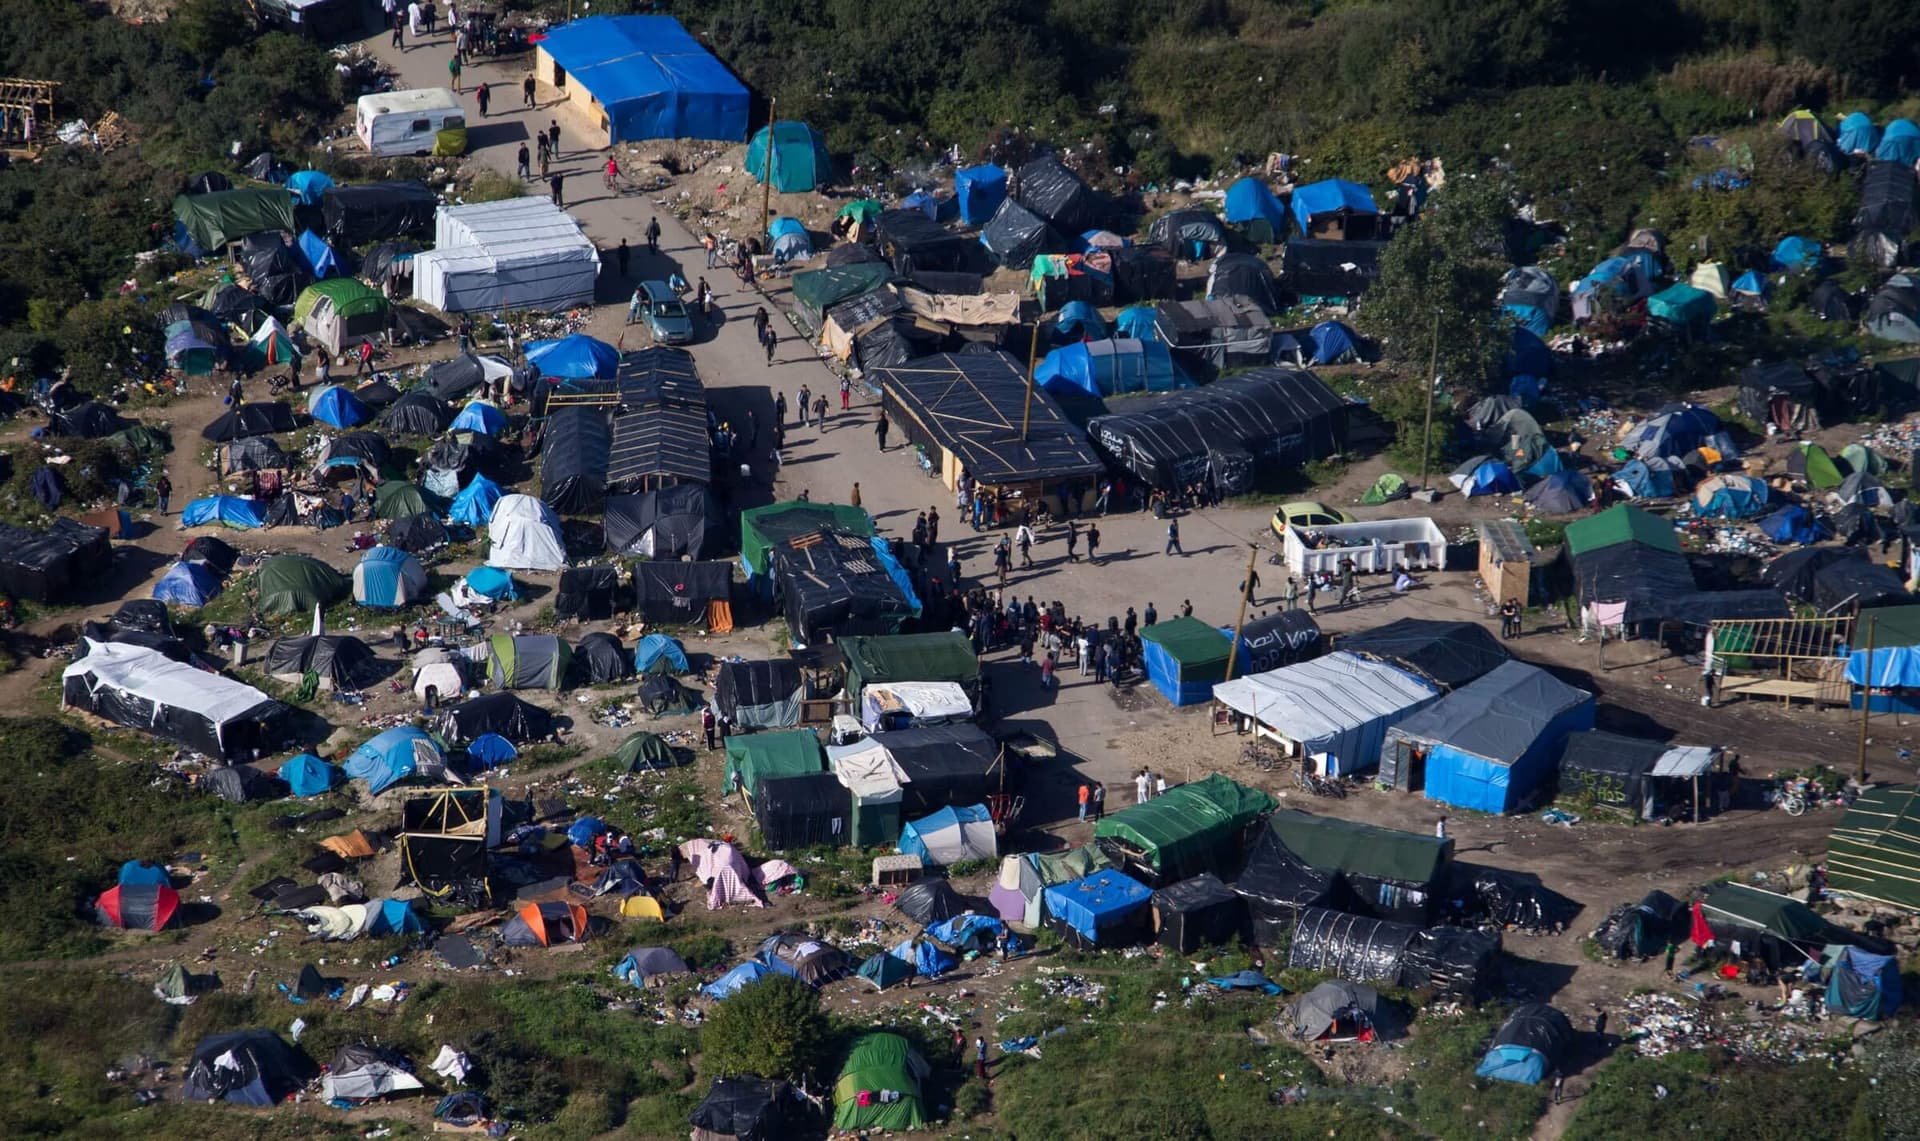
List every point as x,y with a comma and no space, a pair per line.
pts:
1433,379
766,190
1246,596
1866,707
1033,360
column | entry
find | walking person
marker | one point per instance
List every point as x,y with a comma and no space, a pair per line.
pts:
483,95
624,256
633,305
557,183
526,91
1023,537
1093,544
1293,593
771,340
1440,828
779,408
653,234
1073,541
413,18
1348,595
399,23
880,430
1559,1082
980,1058
820,412
853,500
1099,802
162,492
712,245
430,14
1173,538
1047,666
933,531
453,71
707,726
805,400
553,138
523,167
846,394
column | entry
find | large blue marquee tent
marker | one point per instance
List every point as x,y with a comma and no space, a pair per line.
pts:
652,79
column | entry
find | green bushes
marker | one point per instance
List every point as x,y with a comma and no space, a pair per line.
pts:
773,1028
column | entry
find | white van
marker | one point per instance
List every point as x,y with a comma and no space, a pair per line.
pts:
405,122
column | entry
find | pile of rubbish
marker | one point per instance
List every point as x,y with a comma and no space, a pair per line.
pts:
1893,439
1662,1024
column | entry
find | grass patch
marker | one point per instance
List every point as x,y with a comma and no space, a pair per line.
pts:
1443,1097
1744,1099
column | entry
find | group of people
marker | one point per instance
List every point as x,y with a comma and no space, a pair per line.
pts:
1313,585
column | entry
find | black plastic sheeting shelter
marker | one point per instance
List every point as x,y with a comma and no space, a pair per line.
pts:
836,586
898,339
503,713
931,899
759,694
1540,1028
1016,235
1316,267
1280,639
660,444
1448,654
1447,960
802,811
1234,431
388,261
678,593
417,413
1509,899
259,419
1218,333
339,659
674,522
1846,585
575,450
746,1109
1195,912
1886,200
90,421
911,241
238,784
946,766
275,272
1644,929
600,658
418,533
1244,275
589,592
1192,234
374,211
971,405
1142,273
217,554
450,379
1658,585
50,565
1613,770
1278,886
1053,192
246,1067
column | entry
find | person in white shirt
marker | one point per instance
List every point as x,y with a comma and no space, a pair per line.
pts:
1140,787
1440,828
1159,785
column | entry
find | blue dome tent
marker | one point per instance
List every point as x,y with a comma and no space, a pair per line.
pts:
936,207
1078,319
1751,289
1730,497
308,775
187,584
1532,318
491,750
396,755
1792,524
479,416
979,190
338,407
1138,322
308,187
393,917
1900,143
318,255
1484,475
736,980
1551,462
800,159
474,505
1642,480
1252,206
790,240
1858,135
657,653
1795,254
492,582
1333,343
229,510
1108,368
387,578
574,357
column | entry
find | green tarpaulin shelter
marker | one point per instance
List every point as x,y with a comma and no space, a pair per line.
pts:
351,297
818,290
755,757
764,527
1750,907
880,1062
946,656
1192,829
1822,472
1874,852
800,160
213,220
861,210
397,499
1682,305
1621,524
1329,843
644,751
293,584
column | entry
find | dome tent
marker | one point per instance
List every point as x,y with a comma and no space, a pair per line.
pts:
247,1067
502,713
528,661
339,660
482,417
308,775
187,584
1531,1043
337,406
416,413
1562,493
650,966
800,159
658,653
600,659
388,577
1484,475
395,755
475,503
137,906
574,357
1858,135
524,534
295,584
397,499
645,751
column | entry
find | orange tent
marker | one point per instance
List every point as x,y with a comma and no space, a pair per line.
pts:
546,925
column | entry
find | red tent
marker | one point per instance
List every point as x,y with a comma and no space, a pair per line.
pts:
137,907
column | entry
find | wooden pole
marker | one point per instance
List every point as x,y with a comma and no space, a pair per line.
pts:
1246,594
766,190
1866,707
1433,378
1033,358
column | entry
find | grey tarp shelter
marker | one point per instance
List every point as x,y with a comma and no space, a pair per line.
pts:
1335,1009
759,694
575,452
1448,654
1332,712
518,253
660,429
1383,872
1217,333
1491,744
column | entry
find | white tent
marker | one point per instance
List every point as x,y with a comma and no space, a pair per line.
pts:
1336,709
927,702
952,835
361,1074
145,689
868,771
439,670
519,253
524,534
336,924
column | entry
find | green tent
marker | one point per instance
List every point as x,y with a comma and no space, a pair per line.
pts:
397,499
1874,852
754,757
764,527
1859,457
351,297
528,661
877,1062
1822,472
945,656
1184,658
1386,489
1328,843
1194,828
1745,906
1682,305
644,751
818,290
800,160
884,970
1621,524
142,440
861,210
213,220
293,584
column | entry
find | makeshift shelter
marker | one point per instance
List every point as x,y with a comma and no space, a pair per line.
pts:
1335,209
1874,852
912,242
187,584
1893,314
250,420
361,1073
643,77
524,534
1792,524
1779,931
528,661
1530,1044
832,584
340,314
225,510
1899,143
1216,334
246,1067
1730,496
1191,234
1184,657
1861,984
1448,960
967,410
800,159
724,872
208,222
1672,432
482,417
650,966
873,780
930,900
1105,909
1381,872
1336,1011
395,755
979,190
879,1086
1645,779
1253,208
1053,192
1243,275
451,379
1015,235
137,906
1532,296
340,661
685,593
308,775
389,578
1332,712
1196,912
1331,271
1333,343
575,451
1858,135
1489,745
337,407
1644,929
941,766
753,758
950,836
295,584
736,980
475,503
318,255
575,356
1235,433
546,925
142,688
1108,368
936,657
1682,306
518,253
276,274
1886,214
803,811
417,413
1484,475
388,266
50,565
375,211
759,694
1193,828
1782,394
645,751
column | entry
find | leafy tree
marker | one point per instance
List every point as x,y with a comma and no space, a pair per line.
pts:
1435,296
773,1028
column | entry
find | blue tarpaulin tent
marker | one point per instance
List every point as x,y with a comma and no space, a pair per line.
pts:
1492,742
230,510
740,977
1792,524
493,582
1079,319
574,357
308,187
1861,984
969,932
1750,286
393,917
650,78
479,416
789,239
491,750
1673,431
318,254
388,577
1099,908
800,159
936,208
952,834
1643,481
1333,343
187,584
1109,368
582,831
394,756
1484,475
1329,197
1858,135
1730,497
1529,1044
474,505
1796,254
1251,204
927,959
1900,143
657,653
1532,318
140,873
980,190
336,406
1139,322
308,775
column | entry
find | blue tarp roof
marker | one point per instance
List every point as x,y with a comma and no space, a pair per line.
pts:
1078,318
1792,524
474,505
582,831
1532,318
135,873
731,983
1249,200
926,958
1529,356
308,186
318,254
479,416
187,584
390,757
653,79
1139,322
230,510
1488,477
1899,142
308,775
1100,900
336,406
979,190
1329,196
1109,368
574,357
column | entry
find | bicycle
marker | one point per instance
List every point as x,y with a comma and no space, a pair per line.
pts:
1265,756
1320,786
